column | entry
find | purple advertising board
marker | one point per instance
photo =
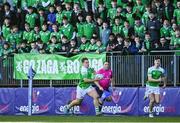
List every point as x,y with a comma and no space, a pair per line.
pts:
42,101
64,95
51,101
124,101
169,102
7,97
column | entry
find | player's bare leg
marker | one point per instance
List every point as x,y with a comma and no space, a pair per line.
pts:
157,101
109,99
95,97
151,104
75,102
72,104
157,98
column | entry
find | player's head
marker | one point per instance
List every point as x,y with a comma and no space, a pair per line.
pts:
106,65
85,62
157,61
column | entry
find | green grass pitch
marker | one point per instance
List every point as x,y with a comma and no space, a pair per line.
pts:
86,119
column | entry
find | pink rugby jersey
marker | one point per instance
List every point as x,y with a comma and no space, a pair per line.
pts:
107,75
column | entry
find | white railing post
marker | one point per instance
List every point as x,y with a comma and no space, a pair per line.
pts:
175,72
142,70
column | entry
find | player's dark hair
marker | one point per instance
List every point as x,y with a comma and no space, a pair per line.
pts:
157,58
84,59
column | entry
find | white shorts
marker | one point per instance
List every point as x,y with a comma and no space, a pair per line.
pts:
152,90
80,92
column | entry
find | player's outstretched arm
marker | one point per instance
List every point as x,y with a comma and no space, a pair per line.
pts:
90,80
98,85
164,79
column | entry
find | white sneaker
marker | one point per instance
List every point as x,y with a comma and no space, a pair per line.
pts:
98,113
151,115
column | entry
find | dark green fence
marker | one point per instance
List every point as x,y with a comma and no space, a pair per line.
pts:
127,71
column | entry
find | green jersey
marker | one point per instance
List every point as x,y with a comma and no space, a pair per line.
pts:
120,3
130,18
92,47
45,36
177,15
54,47
84,46
103,15
59,17
89,29
82,4
6,31
35,35
42,20
86,73
139,30
80,29
112,12
68,1
15,2
145,2
33,3
145,18
138,9
155,73
125,32
67,30
14,38
28,36
172,33
67,14
116,29
147,44
57,34
175,41
107,3
165,31
31,19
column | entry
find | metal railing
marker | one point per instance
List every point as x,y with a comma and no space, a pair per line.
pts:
127,71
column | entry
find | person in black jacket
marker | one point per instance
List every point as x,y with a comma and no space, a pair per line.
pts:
9,13
120,43
153,27
73,49
65,44
76,12
1,15
20,14
163,44
157,7
168,10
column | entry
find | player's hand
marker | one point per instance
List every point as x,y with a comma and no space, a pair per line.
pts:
100,88
164,86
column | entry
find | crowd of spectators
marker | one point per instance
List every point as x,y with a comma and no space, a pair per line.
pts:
73,26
